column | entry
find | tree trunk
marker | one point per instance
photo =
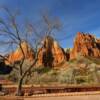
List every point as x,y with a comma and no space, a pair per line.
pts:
19,88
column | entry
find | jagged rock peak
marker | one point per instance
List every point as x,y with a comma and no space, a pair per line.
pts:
86,45
51,54
23,50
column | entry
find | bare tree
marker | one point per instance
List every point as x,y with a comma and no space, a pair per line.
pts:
15,36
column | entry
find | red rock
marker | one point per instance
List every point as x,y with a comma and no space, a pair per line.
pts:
86,45
51,54
17,55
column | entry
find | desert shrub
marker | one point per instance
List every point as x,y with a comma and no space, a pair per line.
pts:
70,75
42,70
94,60
46,77
72,61
67,76
82,79
13,76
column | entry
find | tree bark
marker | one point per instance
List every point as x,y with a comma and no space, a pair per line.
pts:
19,88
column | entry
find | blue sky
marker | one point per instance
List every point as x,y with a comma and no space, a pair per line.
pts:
75,15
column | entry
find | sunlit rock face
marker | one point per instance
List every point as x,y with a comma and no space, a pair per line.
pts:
51,54
24,51
86,45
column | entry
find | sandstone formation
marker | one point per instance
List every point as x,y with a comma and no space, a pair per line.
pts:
51,54
17,55
86,45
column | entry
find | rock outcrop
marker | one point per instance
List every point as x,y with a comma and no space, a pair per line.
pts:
51,54
85,45
18,55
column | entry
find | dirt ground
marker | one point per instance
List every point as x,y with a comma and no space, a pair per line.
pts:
90,97
87,97
58,96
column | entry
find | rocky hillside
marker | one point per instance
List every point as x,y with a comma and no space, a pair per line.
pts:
85,45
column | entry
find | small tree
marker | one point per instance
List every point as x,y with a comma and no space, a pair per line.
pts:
14,36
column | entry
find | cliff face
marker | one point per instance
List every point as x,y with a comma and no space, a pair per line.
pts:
86,45
17,55
51,54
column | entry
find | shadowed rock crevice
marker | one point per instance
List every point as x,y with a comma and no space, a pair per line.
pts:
47,54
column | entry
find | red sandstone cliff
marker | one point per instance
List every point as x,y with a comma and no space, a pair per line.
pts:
51,54
86,45
17,55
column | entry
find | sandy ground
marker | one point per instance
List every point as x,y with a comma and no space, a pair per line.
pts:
90,97
61,96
